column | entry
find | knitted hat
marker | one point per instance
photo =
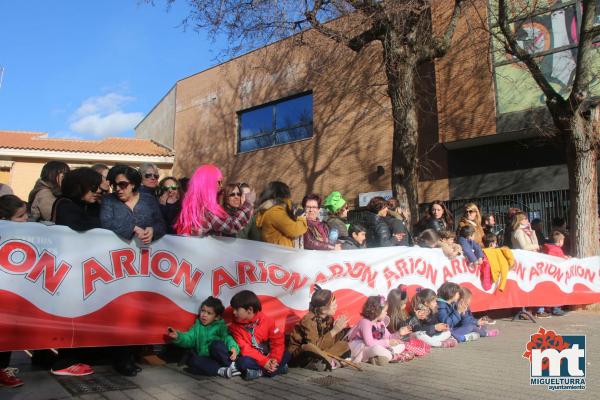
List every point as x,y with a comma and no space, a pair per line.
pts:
334,202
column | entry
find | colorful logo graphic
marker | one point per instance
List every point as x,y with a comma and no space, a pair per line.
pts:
557,361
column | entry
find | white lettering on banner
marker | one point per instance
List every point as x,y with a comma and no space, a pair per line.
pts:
72,274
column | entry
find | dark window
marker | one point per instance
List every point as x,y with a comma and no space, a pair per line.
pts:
276,123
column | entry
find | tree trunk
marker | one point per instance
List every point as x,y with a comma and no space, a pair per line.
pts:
582,157
400,70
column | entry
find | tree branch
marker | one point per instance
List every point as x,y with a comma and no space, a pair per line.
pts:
442,44
513,48
311,17
584,73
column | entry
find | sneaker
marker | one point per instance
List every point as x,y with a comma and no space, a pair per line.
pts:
8,378
448,343
284,370
317,365
559,312
492,332
252,374
405,356
225,372
74,370
472,336
543,314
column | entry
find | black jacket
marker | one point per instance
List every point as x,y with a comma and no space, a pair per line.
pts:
437,225
79,216
170,213
397,226
349,243
378,231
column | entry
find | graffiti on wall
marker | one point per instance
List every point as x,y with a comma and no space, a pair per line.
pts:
553,35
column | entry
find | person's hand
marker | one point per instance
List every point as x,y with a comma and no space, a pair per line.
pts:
271,365
145,235
393,342
234,354
250,197
461,307
337,246
405,330
172,333
481,321
422,314
441,327
163,198
340,323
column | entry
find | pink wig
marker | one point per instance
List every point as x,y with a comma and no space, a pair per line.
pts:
200,198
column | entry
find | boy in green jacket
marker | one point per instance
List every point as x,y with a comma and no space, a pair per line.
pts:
215,350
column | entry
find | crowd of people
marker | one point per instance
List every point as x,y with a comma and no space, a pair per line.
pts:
135,204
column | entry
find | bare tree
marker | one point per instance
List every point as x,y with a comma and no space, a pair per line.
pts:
575,116
403,29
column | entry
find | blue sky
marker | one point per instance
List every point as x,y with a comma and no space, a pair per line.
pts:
91,69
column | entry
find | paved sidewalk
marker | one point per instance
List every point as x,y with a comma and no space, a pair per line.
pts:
491,368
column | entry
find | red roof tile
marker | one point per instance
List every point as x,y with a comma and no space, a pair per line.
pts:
112,145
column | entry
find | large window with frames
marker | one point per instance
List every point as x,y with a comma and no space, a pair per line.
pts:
282,121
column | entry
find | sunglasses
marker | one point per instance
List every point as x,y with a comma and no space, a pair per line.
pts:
172,187
471,211
122,185
149,176
235,194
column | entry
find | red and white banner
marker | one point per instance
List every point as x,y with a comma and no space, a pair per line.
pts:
60,288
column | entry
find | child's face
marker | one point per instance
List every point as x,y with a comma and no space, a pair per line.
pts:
560,242
448,240
242,314
493,245
359,237
383,313
465,301
330,309
20,215
207,315
432,305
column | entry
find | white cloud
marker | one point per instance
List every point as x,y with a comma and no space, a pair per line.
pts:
104,116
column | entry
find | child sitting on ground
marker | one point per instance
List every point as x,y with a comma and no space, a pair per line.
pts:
471,249
399,327
370,341
449,247
317,341
500,259
468,323
447,296
214,349
425,323
262,343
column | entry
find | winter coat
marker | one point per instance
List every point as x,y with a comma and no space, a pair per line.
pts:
77,215
501,260
522,240
364,330
426,325
200,337
396,225
471,249
335,222
553,250
437,224
378,231
41,200
317,236
447,314
314,330
479,234
119,218
267,336
351,244
170,213
276,226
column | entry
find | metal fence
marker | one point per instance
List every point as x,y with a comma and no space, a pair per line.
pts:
542,205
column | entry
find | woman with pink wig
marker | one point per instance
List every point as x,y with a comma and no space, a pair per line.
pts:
201,214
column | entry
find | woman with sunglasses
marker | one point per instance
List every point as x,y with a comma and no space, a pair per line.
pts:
169,200
201,214
149,173
129,212
77,207
472,217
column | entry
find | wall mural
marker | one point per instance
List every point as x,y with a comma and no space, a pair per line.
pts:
550,34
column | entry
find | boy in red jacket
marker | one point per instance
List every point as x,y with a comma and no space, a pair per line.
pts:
262,343
555,248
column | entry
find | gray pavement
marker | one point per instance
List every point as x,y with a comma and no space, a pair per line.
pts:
491,368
